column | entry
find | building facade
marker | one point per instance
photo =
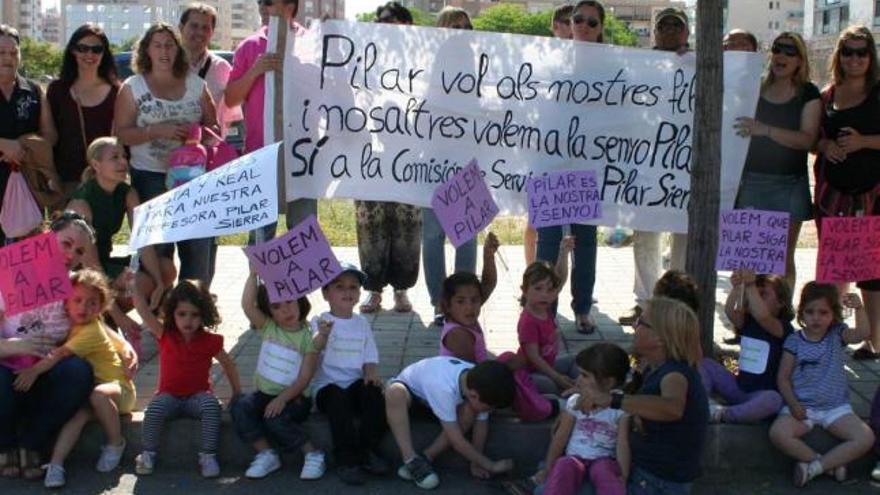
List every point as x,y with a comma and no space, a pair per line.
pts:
310,10
765,18
24,15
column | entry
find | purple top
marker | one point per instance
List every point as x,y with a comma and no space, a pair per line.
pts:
480,352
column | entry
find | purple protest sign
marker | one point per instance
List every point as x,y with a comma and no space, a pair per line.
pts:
562,198
296,263
464,205
752,240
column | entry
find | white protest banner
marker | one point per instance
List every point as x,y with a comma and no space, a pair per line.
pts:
237,197
385,112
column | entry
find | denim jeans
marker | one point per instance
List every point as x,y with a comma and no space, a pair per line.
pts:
583,273
42,411
297,211
285,430
195,254
642,482
434,255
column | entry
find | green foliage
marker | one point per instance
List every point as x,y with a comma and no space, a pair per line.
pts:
420,17
617,33
39,59
511,18
126,45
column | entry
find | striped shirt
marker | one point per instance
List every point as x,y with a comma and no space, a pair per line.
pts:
818,378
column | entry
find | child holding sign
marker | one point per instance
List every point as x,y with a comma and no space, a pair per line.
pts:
813,382
113,363
186,351
764,322
347,385
285,368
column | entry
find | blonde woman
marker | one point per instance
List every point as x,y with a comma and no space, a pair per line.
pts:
671,409
105,199
783,131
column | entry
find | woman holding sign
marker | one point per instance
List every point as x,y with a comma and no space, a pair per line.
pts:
784,129
433,237
847,175
155,110
57,394
388,233
587,24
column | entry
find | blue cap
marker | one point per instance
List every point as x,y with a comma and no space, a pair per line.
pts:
349,267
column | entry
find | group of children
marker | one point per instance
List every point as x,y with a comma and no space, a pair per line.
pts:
331,361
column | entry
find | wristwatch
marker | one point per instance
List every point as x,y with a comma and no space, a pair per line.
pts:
616,399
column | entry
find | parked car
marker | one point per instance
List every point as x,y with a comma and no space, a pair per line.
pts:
235,134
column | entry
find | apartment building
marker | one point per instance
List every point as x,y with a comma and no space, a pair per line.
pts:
24,15
310,10
765,18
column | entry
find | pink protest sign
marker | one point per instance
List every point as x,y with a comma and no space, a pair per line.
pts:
752,240
849,249
464,205
32,274
296,263
562,198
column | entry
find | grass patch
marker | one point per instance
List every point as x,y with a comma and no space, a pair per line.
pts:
338,222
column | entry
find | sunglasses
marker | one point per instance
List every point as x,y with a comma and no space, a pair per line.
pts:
846,51
83,48
265,3
785,49
670,25
641,322
580,19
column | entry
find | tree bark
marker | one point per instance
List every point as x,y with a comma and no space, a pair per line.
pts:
706,165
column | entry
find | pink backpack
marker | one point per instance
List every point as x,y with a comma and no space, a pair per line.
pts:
187,162
20,214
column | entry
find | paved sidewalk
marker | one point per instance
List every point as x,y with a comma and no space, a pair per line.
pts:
405,338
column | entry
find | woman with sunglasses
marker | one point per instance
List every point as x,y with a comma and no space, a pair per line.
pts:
30,420
847,175
587,24
81,101
784,129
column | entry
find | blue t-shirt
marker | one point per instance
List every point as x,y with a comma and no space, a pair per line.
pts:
818,378
751,382
672,450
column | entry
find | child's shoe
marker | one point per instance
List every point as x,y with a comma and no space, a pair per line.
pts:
54,476
145,462
375,464
208,465
110,457
840,474
419,470
716,413
265,463
875,474
351,475
313,466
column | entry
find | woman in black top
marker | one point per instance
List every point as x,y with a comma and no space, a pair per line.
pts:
82,101
21,104
784,129
847,171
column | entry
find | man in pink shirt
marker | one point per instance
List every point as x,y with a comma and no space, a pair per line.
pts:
247,87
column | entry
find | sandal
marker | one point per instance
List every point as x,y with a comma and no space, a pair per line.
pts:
864,354
372,303
401,302
9,466
585,324
31,467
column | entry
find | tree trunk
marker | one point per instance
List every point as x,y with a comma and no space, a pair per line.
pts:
706,165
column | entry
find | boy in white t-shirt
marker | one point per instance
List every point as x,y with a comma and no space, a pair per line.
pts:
347,384
458,394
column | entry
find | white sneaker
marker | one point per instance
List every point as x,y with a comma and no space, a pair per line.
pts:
209,466
716,413
145,462
875,473
313,467
110,457
264,463
54,476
